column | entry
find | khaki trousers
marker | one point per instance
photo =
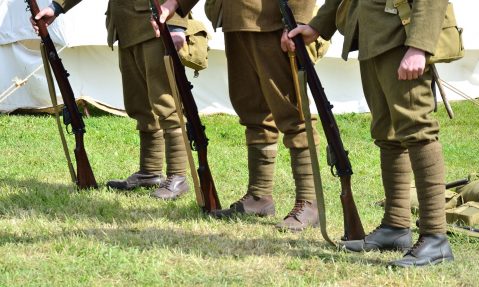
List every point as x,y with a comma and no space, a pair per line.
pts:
261,89
146,91
400,110
401,124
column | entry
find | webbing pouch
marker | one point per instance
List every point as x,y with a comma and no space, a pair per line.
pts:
194,54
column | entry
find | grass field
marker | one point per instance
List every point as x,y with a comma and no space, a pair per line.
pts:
52,235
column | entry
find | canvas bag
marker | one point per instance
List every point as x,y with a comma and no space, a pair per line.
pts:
194,54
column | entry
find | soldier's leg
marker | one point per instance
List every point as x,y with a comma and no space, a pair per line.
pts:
277,87
261,132
411,104
150,60
394,231
176,161
137,106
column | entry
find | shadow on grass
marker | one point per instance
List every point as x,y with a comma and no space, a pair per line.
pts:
60,201
210,245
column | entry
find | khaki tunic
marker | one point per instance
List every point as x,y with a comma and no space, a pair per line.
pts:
375,31
255,15
128,20
146,91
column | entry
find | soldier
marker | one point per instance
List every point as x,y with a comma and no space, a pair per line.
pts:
397,85
262,93
146,94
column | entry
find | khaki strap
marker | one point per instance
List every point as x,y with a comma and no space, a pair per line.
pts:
404,11
300,86
53,97
174,92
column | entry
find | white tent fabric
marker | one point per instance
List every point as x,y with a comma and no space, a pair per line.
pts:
95,75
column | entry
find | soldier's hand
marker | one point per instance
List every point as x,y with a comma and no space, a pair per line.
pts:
412,64
309,35
287,45
168,9
47,14
179,39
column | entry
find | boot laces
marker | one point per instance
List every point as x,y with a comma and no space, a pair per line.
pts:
416,245
241,200
167,182
375,229
297,209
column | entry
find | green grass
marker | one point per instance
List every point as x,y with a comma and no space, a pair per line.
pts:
52,235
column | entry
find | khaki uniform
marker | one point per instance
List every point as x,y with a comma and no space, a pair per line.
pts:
253,60
146,91
261,89
401,124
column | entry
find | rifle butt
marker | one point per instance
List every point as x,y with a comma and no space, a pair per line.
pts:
85,176
210,196
353,228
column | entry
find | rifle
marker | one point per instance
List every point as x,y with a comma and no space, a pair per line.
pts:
336,154
196,130
457,183
71,115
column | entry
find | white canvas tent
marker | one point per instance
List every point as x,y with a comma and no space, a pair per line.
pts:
95,75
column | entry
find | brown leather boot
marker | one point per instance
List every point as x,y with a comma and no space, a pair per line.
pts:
135,180
172,188
248,204
303,215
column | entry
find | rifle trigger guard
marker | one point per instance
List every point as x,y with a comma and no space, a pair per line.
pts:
189,133
66,119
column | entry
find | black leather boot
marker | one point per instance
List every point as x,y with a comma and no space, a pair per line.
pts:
172,188
248,204
428,250
304,214
137,180
382,238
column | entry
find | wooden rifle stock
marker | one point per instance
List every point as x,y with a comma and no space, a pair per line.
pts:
337,155
196,130
71,114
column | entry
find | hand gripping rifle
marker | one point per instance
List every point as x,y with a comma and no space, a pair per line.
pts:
71,115
336,154
196,130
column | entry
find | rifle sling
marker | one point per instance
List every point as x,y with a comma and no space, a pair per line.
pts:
299,80
174,92
435,78
51,90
